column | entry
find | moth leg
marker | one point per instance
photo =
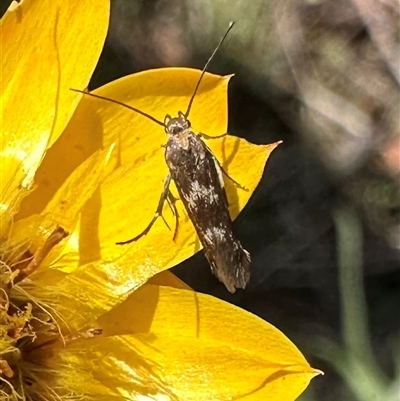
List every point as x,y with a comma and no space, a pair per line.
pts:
228,176
158,213
205,136
172,204
218,164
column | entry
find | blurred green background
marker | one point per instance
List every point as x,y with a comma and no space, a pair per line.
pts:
323,226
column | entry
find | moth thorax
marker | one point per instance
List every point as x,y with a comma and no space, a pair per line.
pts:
176,125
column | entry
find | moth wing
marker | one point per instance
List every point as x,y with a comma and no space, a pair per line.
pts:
199,181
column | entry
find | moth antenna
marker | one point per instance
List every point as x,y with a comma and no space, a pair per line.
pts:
205,68
121,104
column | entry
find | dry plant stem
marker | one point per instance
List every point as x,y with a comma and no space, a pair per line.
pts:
55,237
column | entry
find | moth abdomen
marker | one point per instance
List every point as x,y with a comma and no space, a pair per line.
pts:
230,263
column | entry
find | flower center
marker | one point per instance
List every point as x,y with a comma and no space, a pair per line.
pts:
29,331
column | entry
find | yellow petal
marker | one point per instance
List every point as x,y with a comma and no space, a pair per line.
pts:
73,378
193,347
79,141
11,190
168,279
130,195
63,210
98,288
42,57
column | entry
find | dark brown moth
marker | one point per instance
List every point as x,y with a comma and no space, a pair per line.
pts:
198,177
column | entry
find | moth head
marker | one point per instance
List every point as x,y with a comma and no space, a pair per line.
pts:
176,125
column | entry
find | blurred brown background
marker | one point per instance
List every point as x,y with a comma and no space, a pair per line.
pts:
323,226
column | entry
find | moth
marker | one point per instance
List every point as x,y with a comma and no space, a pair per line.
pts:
198,177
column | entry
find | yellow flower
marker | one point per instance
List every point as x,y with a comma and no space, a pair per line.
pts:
81,318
